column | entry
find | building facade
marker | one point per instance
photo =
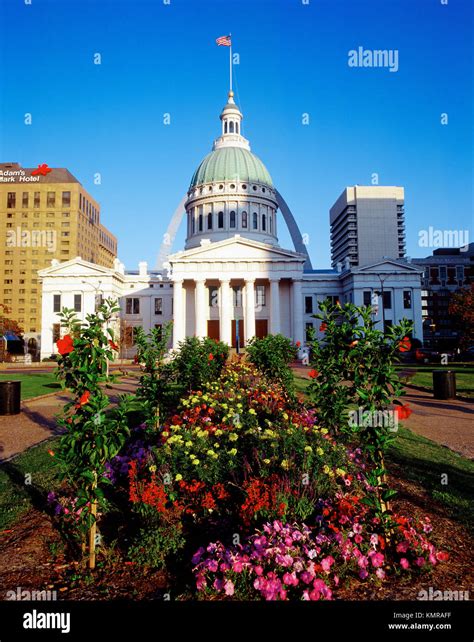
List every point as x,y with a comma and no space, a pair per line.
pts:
45,214
232,281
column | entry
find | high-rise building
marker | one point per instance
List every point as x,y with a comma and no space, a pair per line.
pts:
367,224
45,214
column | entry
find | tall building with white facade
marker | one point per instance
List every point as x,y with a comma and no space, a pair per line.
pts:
232,278
367,222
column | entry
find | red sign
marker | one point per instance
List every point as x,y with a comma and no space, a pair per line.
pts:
42,169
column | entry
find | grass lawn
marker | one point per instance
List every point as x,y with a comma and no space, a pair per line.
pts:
424,377
17,496
33,384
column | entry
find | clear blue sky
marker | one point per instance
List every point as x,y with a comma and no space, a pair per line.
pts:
159,58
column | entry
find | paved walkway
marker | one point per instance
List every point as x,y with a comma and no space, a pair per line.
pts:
37,422
449,423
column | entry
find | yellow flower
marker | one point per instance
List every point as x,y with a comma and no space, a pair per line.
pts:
285,464
339,471
218,432
233,436
285,415
178,477
188,444
165,433
320,451
153,469
252,412
266,461
326,469
308,449
232,452
196,462
324,431
211,453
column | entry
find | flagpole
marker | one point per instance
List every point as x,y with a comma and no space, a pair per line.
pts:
230,61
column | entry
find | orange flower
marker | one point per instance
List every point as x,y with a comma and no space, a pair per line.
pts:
322,327
211,357
84,399
403,411
404,345
65,345
51,452
313,374
298,343
113,345
353,344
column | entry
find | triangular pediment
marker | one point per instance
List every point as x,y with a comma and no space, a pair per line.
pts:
75,267
386,265
235,249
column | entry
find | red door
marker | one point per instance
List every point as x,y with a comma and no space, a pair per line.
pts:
261,328
213,329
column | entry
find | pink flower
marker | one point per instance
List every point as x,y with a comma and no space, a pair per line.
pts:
402,547
404,563
380,573
229,587
377,559
326,563
358,539
363,574
258,570
420,561
306,577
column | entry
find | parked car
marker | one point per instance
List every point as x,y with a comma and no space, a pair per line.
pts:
427,355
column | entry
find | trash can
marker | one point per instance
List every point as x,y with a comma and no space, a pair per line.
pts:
444,384
10,397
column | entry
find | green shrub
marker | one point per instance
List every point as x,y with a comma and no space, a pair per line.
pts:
272,356
198,361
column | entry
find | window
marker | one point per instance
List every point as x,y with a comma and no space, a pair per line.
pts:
36,199
193,224
308,304
56,303
11,199
129,338
132,306
244,219
407,299
232,219
264,222
200,222
24,199
237,293
158,306
51,199
231,127
66,200
270,223
387,300
260,296
309,331
367,298
209,221
255,221
65,214
77,302
56,332
220,220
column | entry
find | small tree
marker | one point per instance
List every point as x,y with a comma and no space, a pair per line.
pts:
199,360
151,349
461,307
92,435
354,366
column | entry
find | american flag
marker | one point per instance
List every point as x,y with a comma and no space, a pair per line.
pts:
224,41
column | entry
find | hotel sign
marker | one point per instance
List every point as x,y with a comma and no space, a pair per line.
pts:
20,175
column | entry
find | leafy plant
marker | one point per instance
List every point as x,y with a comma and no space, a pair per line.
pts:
272,355
198,361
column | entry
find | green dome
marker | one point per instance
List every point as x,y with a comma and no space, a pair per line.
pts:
231,163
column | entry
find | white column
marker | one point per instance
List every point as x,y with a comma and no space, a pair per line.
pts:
249,309
179,312
200,307
275,306
297,304
225,302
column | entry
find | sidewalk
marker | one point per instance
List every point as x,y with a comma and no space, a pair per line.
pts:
36,421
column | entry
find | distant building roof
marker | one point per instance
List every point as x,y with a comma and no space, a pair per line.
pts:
15,173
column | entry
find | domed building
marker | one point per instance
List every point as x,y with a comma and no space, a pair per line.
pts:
233,281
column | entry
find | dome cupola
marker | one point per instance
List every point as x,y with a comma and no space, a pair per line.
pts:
231,191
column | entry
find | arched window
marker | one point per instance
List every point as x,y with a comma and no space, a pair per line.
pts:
231,127
244,219
209,221
236,128
232,219
225,127
270,218
200,222
220,220
255,221
194,223
264,222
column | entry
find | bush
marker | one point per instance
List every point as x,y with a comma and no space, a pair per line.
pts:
272,355
198,361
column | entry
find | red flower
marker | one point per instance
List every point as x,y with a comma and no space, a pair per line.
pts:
211,357
323,326
442,556
404,345
313,374
65,345
298,343
403,411
353,344
51,452
41,169
84,399
113,345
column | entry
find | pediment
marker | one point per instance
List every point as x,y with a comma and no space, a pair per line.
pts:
235,249
75,267
387,265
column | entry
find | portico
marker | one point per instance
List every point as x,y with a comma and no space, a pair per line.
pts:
257,286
